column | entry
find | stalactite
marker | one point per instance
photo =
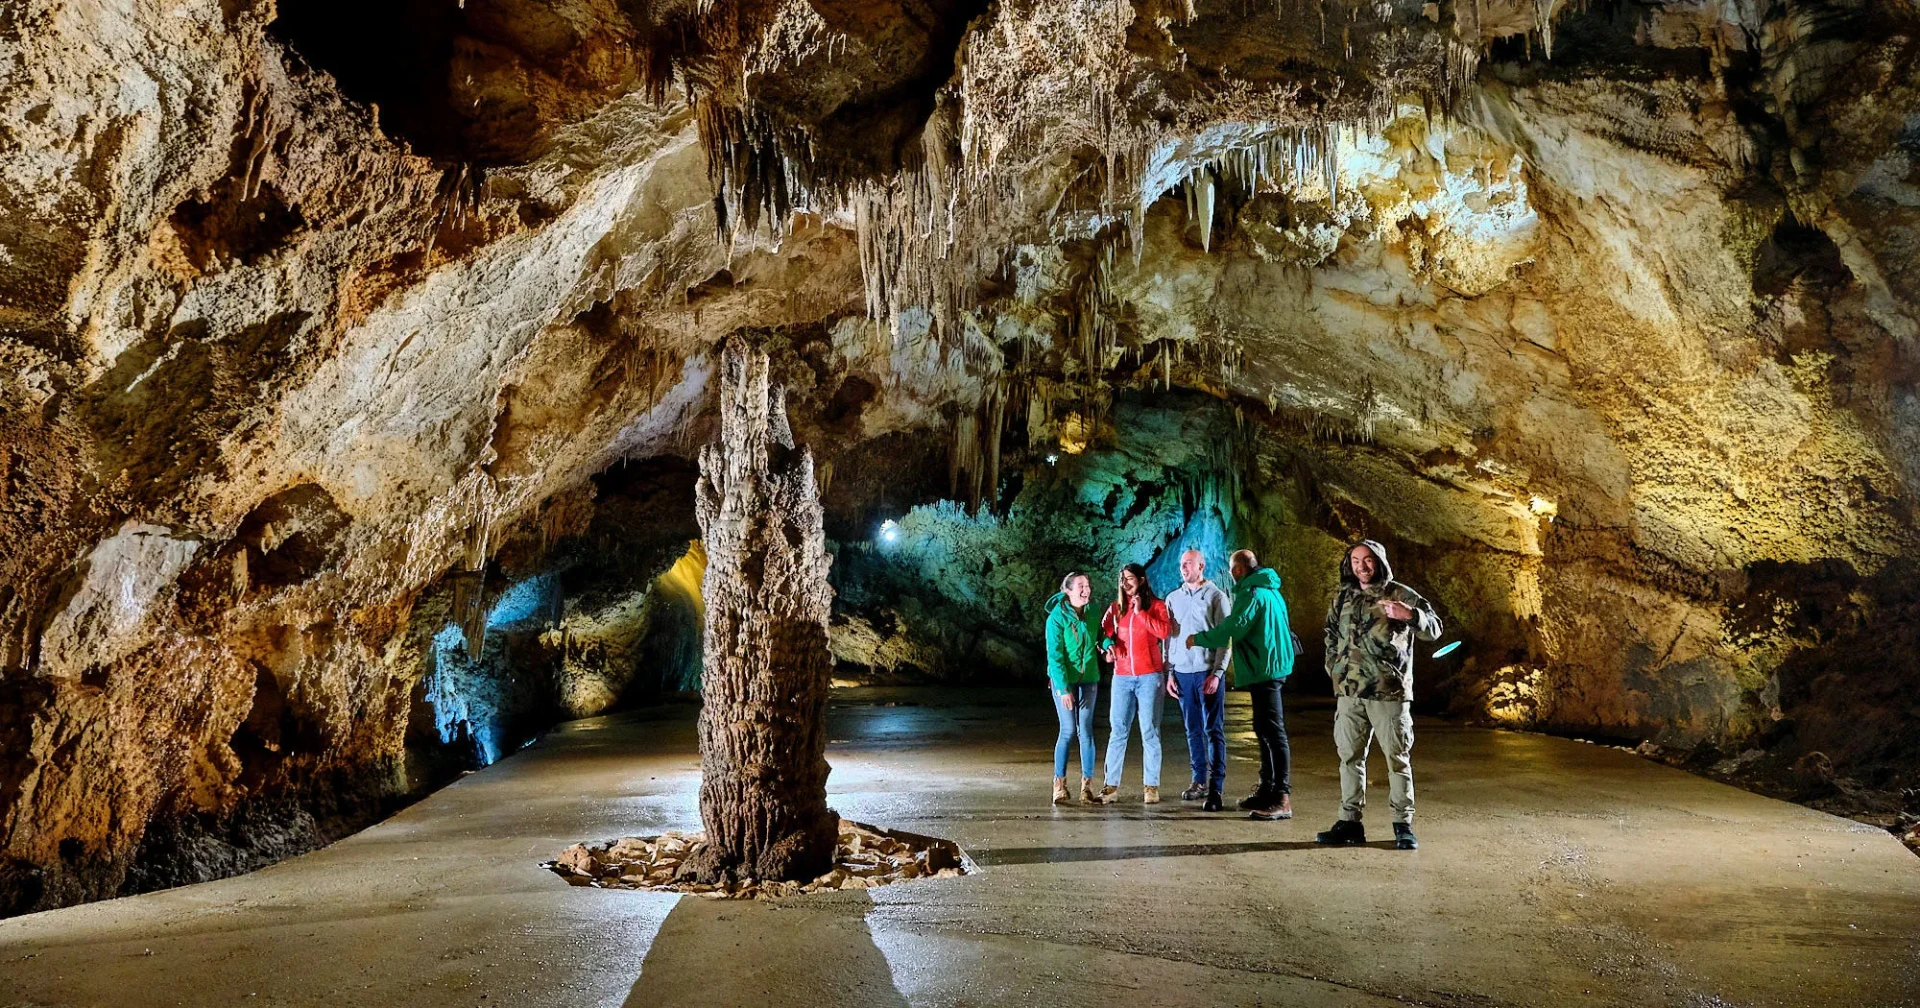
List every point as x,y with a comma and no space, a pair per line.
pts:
995,430
932,232
963,454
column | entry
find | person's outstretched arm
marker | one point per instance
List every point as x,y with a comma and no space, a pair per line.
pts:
1232,628
1426,622
1216,615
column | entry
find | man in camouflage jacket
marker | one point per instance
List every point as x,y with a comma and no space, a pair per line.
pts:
1371,627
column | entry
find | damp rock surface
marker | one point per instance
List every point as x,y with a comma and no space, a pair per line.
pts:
864,857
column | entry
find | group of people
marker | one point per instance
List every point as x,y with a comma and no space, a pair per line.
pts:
1197,643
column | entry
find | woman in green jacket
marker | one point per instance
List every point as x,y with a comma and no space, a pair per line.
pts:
1074,675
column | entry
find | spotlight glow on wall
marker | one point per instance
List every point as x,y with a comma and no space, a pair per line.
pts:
889,532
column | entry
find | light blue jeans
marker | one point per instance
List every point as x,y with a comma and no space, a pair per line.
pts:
1135,697
1079,722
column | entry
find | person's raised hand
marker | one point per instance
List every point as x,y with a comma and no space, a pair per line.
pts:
1396,610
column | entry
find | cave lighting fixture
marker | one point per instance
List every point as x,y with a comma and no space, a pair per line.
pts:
889,532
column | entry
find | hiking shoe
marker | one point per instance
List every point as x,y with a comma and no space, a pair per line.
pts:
1194,792
1282,809
1258,799
1086,791
1344,831
1403,837
1108,795
1150,796
1060,795
1213,802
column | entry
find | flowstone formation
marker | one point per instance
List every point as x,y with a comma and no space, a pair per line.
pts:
352,362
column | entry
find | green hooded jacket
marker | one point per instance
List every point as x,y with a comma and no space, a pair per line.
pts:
1070,656
1257,629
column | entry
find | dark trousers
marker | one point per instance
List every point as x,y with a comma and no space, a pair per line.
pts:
1270,728
1206,718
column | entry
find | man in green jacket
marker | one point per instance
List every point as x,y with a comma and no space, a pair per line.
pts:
1073,672
1262,660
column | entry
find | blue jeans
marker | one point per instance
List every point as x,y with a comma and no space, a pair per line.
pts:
1079,720
1135,696
1206,718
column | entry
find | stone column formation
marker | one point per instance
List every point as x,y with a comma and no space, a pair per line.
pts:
763,790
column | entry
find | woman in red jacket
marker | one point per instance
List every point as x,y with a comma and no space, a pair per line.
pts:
1135,629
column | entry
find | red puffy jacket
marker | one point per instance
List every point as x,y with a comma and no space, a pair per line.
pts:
1137,636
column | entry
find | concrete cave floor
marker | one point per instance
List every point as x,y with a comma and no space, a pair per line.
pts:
1551,873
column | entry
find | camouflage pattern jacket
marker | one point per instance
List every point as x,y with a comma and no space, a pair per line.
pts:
1368,655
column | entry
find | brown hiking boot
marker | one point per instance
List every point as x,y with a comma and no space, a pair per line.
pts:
1060,795
1086,791
1274,809
1151,796
1108,795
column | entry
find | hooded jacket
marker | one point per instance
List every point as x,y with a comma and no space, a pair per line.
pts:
1070,656
1368,655
1137,637
1257,629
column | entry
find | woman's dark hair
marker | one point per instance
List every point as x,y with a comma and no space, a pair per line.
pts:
1140,578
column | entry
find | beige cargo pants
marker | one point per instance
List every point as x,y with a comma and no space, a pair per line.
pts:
1356,724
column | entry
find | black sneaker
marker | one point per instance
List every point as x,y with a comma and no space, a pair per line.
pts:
1194,792
1403,837
1213,802
1278,807
1343,832
1258,799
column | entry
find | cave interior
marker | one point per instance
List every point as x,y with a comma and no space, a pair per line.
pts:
355,361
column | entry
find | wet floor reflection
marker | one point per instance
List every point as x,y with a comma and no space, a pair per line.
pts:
731,952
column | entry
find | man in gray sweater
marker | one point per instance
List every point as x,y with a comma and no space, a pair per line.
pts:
1198,678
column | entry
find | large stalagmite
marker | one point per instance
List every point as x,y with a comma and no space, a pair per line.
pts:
763,790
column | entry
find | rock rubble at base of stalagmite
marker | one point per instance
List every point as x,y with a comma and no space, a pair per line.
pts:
866,857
